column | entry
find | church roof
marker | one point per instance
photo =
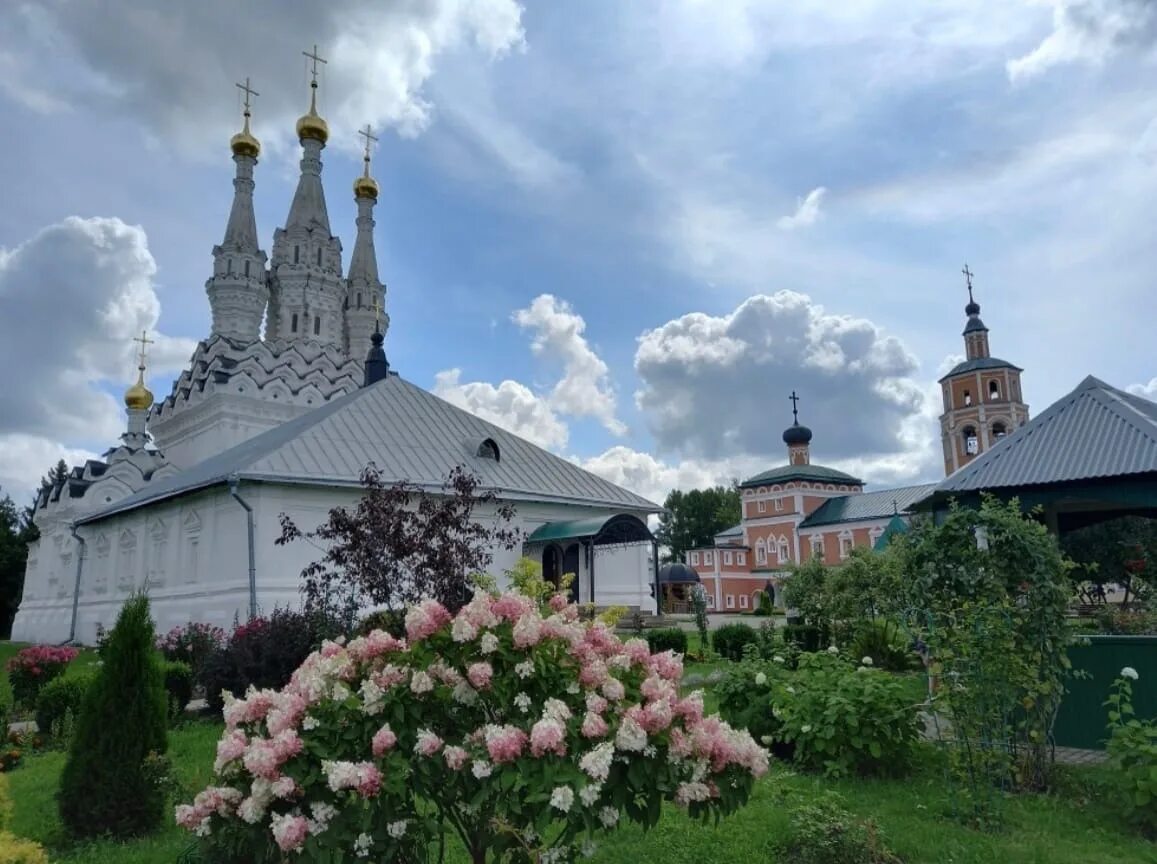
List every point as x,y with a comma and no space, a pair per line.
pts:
410,435
860,507
813,473
1094,432
979,363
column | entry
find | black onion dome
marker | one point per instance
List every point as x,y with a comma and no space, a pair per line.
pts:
797,434
973,308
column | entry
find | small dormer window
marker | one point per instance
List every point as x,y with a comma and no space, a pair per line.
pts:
488,449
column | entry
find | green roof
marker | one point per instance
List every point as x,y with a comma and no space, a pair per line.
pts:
981,363
813,473
867,505
896,526
620,527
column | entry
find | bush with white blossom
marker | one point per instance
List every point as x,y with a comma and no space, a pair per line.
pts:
522,730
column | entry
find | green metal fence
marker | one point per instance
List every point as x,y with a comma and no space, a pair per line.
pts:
1082,718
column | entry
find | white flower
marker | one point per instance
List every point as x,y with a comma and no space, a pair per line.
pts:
397,830
806,728
760,679
524,669
340,692
362,845
481,769
609,816
573,688
597,763
631,736
522,702
373,697
832,649
1130,673
464,694
865,661
650,751
562,798
587,850
462,630
309,723
421,682
790,689
552,856
778,659
556,709
590,793
767,740
489,643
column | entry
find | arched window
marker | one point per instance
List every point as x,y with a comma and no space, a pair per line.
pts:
760,552
316,326
784,553
993,391
999,430
296,254
319,257
971,442
967,397
293,323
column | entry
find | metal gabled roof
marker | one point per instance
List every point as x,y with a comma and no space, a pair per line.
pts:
978,363
410,435
813,473
1094,432
863,506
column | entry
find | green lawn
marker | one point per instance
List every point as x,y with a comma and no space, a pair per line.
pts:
1073,828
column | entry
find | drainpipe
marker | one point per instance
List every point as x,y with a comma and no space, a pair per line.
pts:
234,480
76,587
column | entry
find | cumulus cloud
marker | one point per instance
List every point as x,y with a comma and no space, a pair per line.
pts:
1148,391
716,387
807,211
652,478
137,56
1089,31
71,300
584,389
511,405
25,459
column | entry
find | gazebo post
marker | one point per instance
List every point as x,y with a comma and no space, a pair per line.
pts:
591,554
655,563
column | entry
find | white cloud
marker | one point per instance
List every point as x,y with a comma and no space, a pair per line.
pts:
1089,31
510,405
807,211
717,388
136,55
652,478
584,389
25,459
1148,391
71,300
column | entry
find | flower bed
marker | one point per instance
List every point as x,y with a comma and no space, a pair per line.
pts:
34,667
525,731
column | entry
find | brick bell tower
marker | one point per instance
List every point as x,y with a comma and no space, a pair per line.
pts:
982,396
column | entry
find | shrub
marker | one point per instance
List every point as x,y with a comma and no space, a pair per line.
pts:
17,850
1132,750
824,832
191,644
263,652
178,685
730,640
763,607
886,644
521,730
805,637
34,667
105,786
767,643
844,719
393,621
667,639
60,696
744,695
699,610
1116,621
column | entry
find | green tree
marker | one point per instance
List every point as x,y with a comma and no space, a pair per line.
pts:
1121,551
109,783
15,531
692,519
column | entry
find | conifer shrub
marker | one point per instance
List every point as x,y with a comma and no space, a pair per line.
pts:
667,639
106,786
730,640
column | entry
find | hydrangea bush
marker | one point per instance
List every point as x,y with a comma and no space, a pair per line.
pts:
520,729
1132,750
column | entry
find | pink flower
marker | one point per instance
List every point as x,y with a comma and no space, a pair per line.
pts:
480,675
423,620
512,607
389,675
286,745
287,712
261,759
690,708
558,602
528,631
384,739
593,674
284,787
667,665
594,726
638,651
455,757
504,743
289,831
655,688
330,649
657,716
596,703
428,743
362,776
375,644
230,748
548,736
369,780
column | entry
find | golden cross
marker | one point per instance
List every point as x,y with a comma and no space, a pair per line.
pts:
248,91
377,313
316,58
371,139
145,342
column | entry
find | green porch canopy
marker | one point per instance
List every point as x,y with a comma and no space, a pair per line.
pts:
601,530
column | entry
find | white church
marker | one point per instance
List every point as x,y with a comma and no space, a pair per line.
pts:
283,421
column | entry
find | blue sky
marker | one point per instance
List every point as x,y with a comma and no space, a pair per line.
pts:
591,212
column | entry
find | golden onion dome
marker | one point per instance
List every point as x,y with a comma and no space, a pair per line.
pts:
311,125
244,144
366,187
138,396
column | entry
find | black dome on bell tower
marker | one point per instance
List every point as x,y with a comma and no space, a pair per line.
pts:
797,435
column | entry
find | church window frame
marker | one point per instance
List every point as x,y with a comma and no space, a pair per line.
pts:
847,542
762,507
316,325
993,390
970,439
967,397
293,323
779,505
727,558
783,550
247,269
743,601
319,256
741,558
296,254
694,559
760,552
730,601
817,546
999,429
709,558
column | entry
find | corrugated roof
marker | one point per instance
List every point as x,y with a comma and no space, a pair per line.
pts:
1096,431
981,363
410,435
815,473
894,527
733,531
881,504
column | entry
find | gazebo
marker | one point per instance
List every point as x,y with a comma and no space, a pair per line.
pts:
1089,457
674,580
